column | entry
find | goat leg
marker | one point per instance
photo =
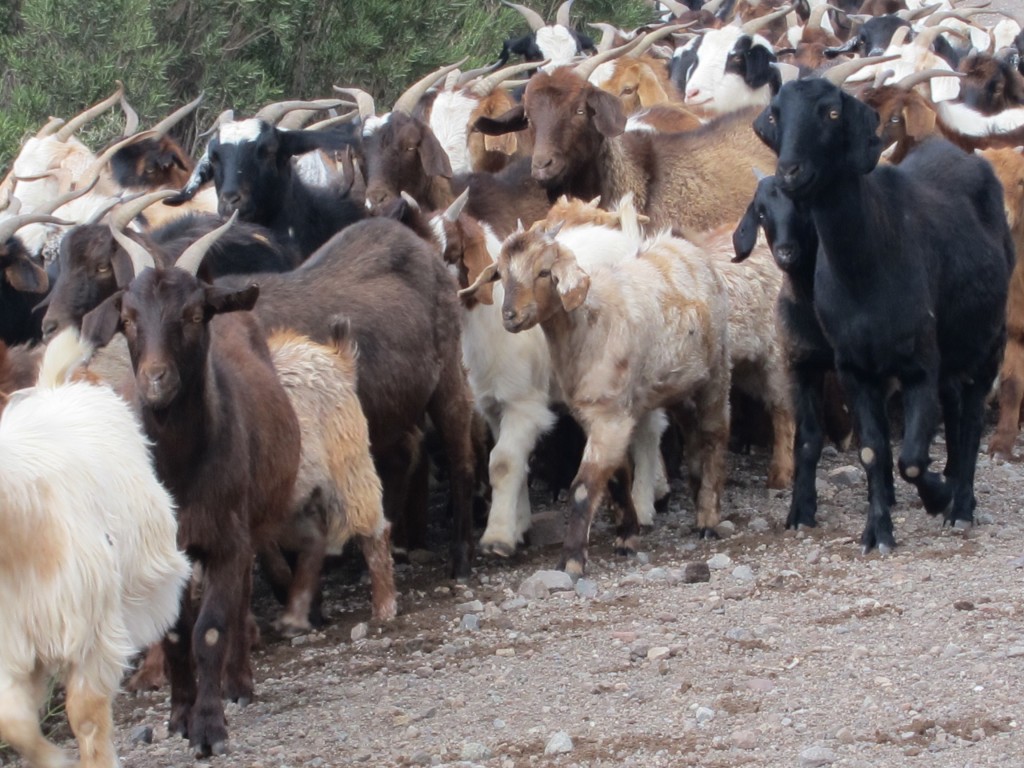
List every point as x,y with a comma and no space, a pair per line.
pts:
20,701
809,439
920,413
91,719
1011,397
177,646
627,534
712,442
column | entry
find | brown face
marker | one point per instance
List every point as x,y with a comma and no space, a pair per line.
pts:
557,123
525,268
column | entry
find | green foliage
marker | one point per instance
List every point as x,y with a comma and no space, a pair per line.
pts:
58,56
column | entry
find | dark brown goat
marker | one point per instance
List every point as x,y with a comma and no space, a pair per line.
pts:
905,117
990,111
226,445
696,180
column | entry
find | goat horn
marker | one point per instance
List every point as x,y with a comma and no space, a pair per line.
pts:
131,118
141,258
272,113
637,44
899,37
814,20
759,174
363,100
52,205
195,253
838,74
132,206
177,116
297,118
534,19
913,14
562,14
104,209
916,78
410,98
472,74
960,15
882,76
92,173
676,9
320,125
11,225
608,33
483,87
454,210
86,117
410,200
227,116
754,25
926,37
51,127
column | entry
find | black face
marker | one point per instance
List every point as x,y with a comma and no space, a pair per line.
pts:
149,163
250,173
872,39
991,85
753,63
85,277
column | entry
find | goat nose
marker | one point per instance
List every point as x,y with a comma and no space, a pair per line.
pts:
542,162
788,171
49,328
231,198
509,315
156,373
692,94
784,254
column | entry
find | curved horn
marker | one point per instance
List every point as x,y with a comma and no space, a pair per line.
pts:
608,33
562,14
272,113
50,128
11,225
201,174
52,205
131,118
363,100
818,13
131,207
177,116
961,14
92,173
104,209
882,76
297,118
483,87
410,98
838,74
637,44
916,78
86,117
926,37
712,6
454,210
676,9
912,14
141,258
320,125
534,19
227,116
754,25
193,255
472,74
899,37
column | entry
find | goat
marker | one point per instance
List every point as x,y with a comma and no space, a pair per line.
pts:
89,570
23,282
630,337
249,163
990,112
1009,168
556,43
226,444
695,180
911,281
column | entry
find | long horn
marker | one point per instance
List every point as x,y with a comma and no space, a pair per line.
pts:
141,258
676,9
838,74
410,98
86,117
177,116
712,6
961,14
51,127
104,209
272,113
483,87
882,76
608,33
637,44
131,118
534,19
916,78
131,207
899,37
11,225
913,14
52,205
755,25
227,116
818,13
363,100
454,210
297,118
320,125
193,255
472,74
926,37
562,14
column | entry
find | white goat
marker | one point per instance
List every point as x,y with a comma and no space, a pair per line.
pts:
89,568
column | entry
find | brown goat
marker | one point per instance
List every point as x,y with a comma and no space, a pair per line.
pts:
226,445
695,180
990,111
638,82
19,366
1009,167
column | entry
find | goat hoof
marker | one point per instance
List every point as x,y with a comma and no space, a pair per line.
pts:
707,534
962,525
880,539
498,548
661,505
573,566
387,611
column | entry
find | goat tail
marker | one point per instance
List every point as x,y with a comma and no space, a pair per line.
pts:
65,356
629,218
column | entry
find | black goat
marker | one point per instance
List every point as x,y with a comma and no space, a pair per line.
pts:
911,283
250,163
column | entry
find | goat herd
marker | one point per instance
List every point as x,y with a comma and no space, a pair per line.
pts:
488,254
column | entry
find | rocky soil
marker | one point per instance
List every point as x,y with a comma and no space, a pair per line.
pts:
795,650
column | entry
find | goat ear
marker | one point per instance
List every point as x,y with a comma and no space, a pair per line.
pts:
848,47
220,300
26,276
572,283
506,145
292,143
510,122
860,123
433,157
767,131
121,262
609,118
201,174
100,325
920,120
650,91
759,67
488,274
745,235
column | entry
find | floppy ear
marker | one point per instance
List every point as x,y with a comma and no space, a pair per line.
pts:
510,122
488,274
863,145
26,276
433,158
920,120
745,235
571,282
759,66
220,300
201,174
506,145
766,131
607,112
650,91
100,325
848,47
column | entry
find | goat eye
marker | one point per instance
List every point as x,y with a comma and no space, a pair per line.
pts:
833,114
580,111
897,118
771,119
103,269
544,273
628,91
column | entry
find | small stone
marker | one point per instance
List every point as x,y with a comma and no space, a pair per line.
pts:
639,649
759,525
473,606
586,588
658,653
472,750
505,652
845,735
743,573
1014,651
829,452
694,573
816,757
704,715
719,562
963,605
846,477
360,631
141,734
300,640
421,758
656,574
813,556
739,635
515,603
555,581
744,739
643,558
470,622
534,589
559,744
760,684
725,529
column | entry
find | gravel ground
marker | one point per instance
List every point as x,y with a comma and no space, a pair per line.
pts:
798,651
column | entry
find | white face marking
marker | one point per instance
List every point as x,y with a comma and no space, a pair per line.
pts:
602,74
374,124
557,44
242,130
709,86
449,120
437,227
